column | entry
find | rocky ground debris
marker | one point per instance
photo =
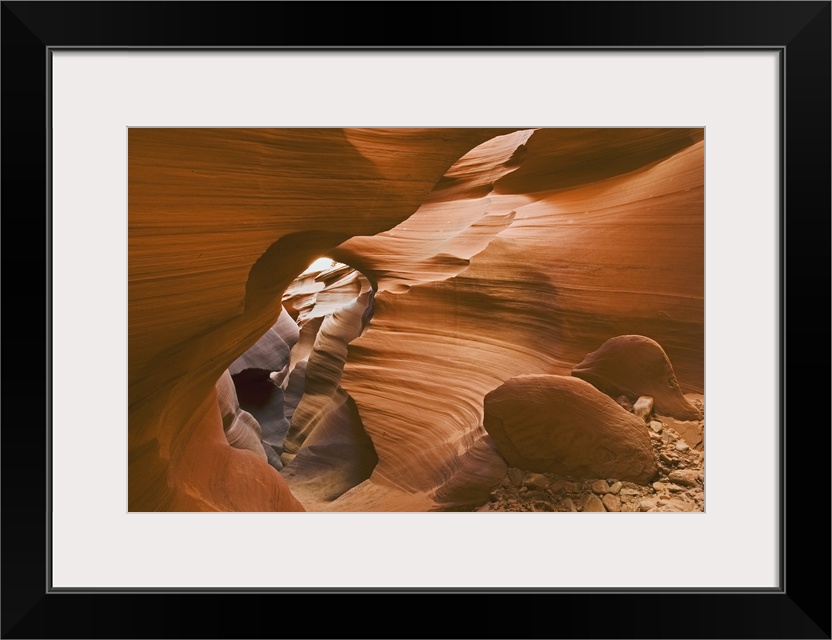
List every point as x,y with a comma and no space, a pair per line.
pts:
678,487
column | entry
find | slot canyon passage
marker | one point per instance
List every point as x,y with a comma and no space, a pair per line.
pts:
450,319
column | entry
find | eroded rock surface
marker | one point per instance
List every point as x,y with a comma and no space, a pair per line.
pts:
220,223
492,254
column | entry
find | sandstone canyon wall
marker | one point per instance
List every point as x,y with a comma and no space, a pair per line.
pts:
481,255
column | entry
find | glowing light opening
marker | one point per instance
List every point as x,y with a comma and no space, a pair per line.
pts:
321,264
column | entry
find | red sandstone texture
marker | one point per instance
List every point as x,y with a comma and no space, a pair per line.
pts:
482,255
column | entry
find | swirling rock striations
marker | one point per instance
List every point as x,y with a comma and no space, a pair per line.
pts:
325,364
514,257
453,224
566,426
220,223
576,264
637,366
327,452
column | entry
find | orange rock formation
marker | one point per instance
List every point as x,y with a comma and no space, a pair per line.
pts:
493,254
220,223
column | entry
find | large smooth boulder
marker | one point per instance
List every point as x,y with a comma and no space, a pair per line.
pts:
566,426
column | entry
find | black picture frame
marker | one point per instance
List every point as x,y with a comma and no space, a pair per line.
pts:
799,31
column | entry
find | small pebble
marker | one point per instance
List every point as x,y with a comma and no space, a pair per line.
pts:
684,477
536,480
567,504
611,502
516,476
542,505
600,487
593,503
643,407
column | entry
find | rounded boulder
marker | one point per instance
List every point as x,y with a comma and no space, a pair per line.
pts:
636,366
564,425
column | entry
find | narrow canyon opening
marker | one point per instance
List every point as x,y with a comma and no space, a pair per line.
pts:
282,399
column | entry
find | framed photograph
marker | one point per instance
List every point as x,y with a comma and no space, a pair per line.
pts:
323,310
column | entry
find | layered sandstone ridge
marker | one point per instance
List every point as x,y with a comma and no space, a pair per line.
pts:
570,267
220,222
486,255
